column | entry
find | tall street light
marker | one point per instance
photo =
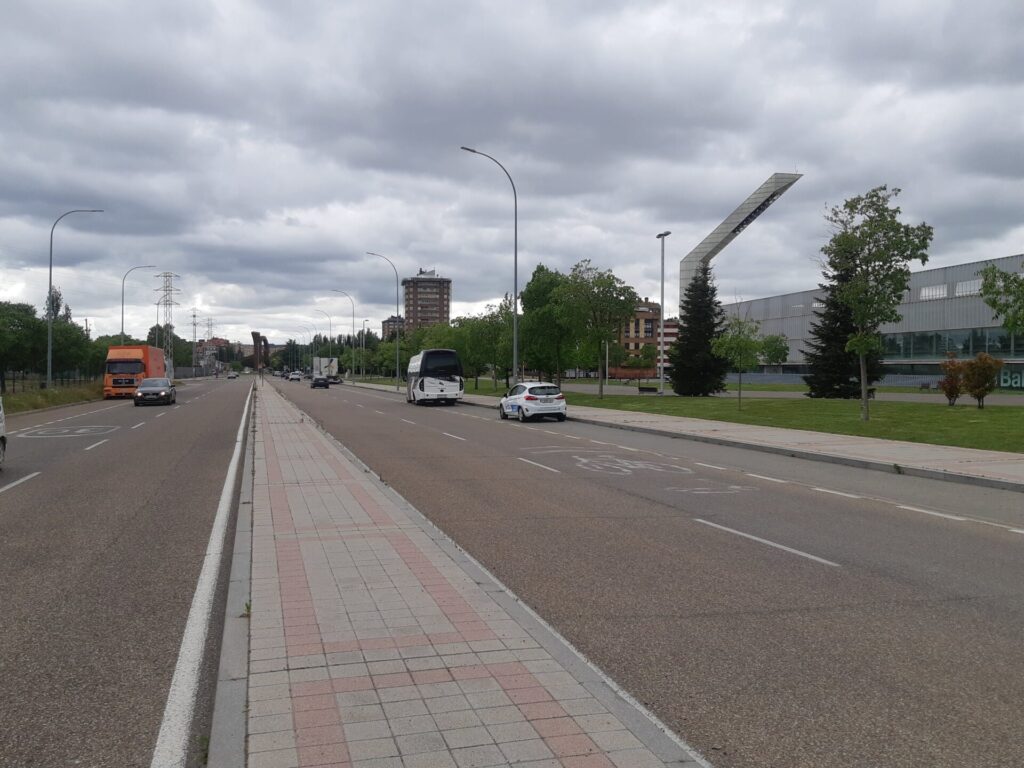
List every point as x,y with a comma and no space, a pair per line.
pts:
397,332
362,352
353,326
49,296
515,266
661,322
141,266
309,343
330,333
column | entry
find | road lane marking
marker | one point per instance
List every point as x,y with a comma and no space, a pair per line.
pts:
449,434
627,448
172,743
161,414
18,482
138,425
836,493
1016,530
815,558
932,512
601,442
765,477
176,407
359,406
549,469
711,466
571,437
408,422
380,412
101,442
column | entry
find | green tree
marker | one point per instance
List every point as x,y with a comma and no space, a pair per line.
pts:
1004,293
595,304
979,376
774,349
875,249
696,369
740,344
545,329
835,370
22,339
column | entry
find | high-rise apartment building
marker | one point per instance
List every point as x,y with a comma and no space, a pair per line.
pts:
428,299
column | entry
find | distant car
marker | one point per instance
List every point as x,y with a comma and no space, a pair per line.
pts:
319,381
531,400
156,391
294,376
232,374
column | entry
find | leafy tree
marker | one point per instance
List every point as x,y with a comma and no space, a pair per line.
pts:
875,249
22,339
835,370
1004,293
696,369
952,384
544,327
774,349
980,376
595,304
740,344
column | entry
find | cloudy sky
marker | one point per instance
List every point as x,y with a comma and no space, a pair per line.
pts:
259,149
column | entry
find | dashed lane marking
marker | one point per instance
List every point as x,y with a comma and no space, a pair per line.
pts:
408,422
836,493
932,512
449,434
138,425
161,414
775,544
710,466
549,469
765,477
380,412
101,442
18,482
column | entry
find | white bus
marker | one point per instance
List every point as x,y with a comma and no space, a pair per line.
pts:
434,374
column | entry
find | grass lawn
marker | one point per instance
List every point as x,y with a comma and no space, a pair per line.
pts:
44,398
996,428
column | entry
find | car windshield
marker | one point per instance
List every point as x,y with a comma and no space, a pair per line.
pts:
544,391
155,383
124,366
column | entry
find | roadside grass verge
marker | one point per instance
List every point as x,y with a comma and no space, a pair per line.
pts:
45,398
994,428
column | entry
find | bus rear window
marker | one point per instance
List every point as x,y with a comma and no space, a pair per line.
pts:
439,364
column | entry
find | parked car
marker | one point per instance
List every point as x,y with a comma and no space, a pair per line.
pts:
294,376
319,381
531,400
232,374
156,391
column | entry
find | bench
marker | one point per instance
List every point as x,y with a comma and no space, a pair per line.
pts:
644,389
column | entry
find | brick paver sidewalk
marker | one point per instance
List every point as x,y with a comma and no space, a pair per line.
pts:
375,643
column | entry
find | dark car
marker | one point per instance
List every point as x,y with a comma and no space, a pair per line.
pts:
319,381
156,391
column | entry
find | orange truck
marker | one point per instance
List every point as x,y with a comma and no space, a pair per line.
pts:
128,365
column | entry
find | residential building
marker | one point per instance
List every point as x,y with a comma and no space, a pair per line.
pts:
394,324
428,299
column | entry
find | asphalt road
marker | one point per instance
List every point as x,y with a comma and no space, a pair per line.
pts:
772,611
101,543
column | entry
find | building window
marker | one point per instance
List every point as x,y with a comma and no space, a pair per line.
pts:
968,288
932,292
648,327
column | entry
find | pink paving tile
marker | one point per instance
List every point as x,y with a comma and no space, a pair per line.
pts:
469,626
557,726
305,650
445,637
392,681
320,734
407,641
312,688
567,746
471,672
323,754
313,717
478,634
348,684
431,676
510,682
587,761
528,695
508,668
322,701
376,643
541,710
341,647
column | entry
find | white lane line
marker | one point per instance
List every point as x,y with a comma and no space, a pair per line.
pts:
815,558
408,422
551,432
711,466
12,431
627,448
765,477
161,414
138,425
836,493
176,407
549,469
380,412
18,482
931,512
601,442
359,406
572,437
101,442
173,742
1016,530
449,434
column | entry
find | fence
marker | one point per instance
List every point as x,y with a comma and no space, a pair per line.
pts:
22,381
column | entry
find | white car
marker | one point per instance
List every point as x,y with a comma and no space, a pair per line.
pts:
294,376
531,400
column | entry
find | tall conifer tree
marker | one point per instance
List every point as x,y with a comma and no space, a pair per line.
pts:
696,370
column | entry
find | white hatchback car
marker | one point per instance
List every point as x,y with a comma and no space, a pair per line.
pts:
534,399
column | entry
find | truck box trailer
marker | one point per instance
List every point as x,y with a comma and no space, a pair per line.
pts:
128,365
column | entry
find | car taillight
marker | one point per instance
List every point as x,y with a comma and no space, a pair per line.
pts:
530,397
560,397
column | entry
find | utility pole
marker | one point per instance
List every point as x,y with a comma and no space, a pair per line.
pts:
167,303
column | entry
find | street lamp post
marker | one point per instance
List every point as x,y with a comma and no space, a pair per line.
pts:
362,352
353,325
397,332
141,266
660,333
661,322
330,333
49,296
515,266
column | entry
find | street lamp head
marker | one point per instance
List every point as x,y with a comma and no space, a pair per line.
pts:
467,149
666,233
